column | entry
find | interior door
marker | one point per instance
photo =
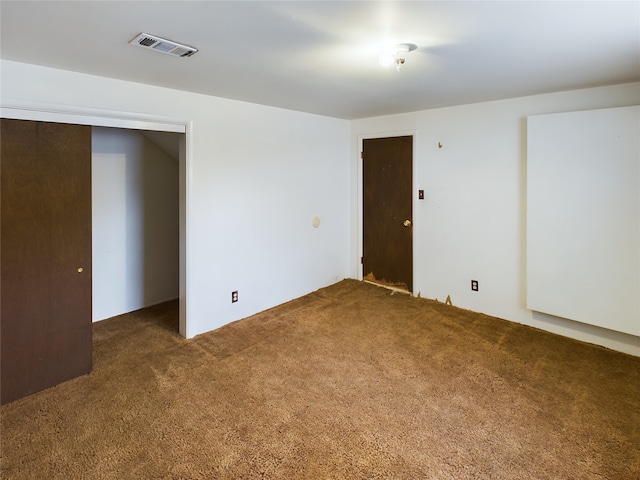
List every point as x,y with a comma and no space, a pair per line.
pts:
387,211
45,255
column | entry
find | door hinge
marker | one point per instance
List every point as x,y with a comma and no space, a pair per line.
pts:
361,260
361,154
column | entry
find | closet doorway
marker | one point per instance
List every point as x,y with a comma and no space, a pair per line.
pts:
135,218
176,208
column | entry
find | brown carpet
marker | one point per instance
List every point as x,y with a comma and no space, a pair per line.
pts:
349,382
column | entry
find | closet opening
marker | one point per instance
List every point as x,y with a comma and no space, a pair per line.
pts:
135,191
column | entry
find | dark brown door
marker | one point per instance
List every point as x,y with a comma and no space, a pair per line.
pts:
387,221
45,255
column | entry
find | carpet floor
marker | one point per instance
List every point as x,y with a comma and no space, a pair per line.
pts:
348,382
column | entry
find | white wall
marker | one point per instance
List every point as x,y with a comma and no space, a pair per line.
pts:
471,224
135,222
257,177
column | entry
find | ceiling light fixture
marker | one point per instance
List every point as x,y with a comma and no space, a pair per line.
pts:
395,56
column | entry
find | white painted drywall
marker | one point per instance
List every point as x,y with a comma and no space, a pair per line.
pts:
257,177
472,223
135,222
249,214
583,216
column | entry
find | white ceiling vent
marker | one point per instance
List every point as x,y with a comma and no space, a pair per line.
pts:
163,45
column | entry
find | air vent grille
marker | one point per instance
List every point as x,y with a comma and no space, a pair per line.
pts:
163,45
147,42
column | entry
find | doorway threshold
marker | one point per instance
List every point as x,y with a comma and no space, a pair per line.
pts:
393,288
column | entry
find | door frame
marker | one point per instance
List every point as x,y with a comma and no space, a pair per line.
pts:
47,112
361,139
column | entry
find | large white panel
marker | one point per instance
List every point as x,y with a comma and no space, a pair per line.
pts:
583,217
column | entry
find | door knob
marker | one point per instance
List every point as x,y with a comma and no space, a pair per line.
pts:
407,223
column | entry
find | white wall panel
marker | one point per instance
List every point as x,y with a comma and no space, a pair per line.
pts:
583,216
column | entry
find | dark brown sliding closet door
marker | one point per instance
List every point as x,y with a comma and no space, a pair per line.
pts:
45,255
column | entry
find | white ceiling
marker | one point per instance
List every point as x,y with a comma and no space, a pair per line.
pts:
322,57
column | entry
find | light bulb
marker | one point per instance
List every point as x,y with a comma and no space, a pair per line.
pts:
386,59
396,55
